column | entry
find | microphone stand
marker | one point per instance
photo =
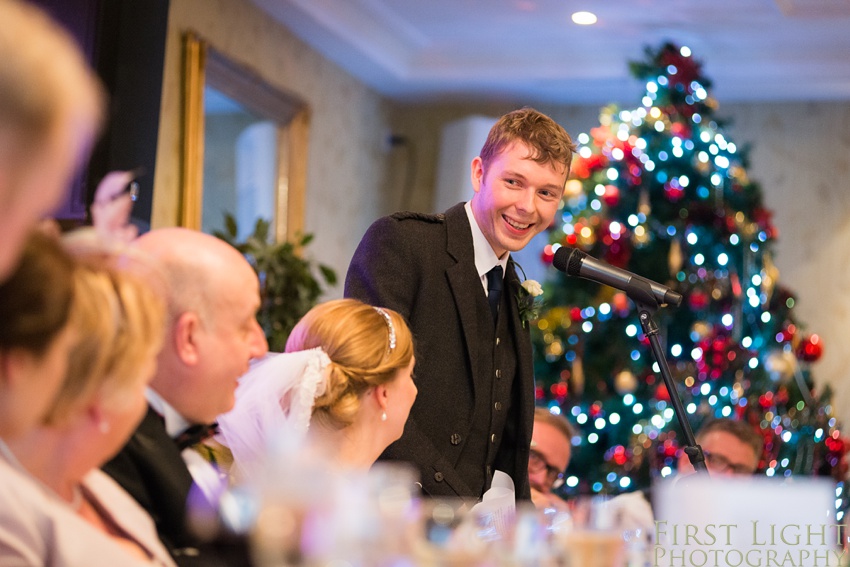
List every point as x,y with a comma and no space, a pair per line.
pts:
640,292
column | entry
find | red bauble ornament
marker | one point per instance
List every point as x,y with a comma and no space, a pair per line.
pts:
548,254
810,348
575,314
661,393
611,195
698,300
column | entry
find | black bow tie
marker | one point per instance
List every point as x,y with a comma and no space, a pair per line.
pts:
195,434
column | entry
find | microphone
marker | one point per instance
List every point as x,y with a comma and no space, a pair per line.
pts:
574,262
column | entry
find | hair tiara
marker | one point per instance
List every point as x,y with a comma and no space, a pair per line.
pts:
390,328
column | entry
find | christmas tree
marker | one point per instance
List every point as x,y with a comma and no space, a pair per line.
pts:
662,191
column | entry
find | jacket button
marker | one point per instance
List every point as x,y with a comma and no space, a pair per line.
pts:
438,477
498,373
498,340
492,438
456,439
498,406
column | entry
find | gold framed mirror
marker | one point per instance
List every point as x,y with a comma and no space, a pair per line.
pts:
244,146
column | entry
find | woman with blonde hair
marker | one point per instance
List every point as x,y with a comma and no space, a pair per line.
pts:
344,386
56,506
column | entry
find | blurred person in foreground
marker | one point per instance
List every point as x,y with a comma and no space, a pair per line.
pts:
56,507
51,107
452,278
551,448
212,296
344,388
36,336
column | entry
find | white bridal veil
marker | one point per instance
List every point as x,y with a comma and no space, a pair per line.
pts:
274,402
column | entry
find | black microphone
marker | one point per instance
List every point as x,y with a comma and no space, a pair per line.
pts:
574,262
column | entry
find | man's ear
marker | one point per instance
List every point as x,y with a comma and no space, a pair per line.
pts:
185,336
476,169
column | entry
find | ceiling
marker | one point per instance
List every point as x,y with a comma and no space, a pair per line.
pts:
530,51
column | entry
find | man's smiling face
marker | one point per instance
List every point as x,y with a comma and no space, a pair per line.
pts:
516,198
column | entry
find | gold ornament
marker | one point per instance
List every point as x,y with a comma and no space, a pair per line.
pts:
573,189
701,329
781,365
577,377
675,259
769,276
625,382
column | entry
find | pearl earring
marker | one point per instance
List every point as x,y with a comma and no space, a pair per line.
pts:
383,416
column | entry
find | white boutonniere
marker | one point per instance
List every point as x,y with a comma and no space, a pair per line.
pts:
527,298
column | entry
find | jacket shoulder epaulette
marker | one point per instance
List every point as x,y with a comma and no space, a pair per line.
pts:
426,217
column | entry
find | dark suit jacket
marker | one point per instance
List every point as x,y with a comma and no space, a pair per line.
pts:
423,266
151,469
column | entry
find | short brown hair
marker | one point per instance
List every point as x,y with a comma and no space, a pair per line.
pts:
356,338
740,429
35,301
557,421
547,140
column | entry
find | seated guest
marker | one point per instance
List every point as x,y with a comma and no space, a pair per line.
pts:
212,295
731,448
345,383
50,110
35,335
56,506
551,448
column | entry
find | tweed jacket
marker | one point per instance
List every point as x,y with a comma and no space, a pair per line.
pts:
423,266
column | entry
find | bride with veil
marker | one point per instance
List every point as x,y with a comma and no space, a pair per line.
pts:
342,391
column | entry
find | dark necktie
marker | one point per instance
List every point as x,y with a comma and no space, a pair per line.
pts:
494,290
195,434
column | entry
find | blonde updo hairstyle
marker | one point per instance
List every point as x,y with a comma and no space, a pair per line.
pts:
356,338
119,317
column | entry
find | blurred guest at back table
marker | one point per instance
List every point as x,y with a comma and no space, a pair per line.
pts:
730,447
56,506
551,448
50,110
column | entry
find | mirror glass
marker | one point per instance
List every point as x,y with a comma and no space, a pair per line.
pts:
244,149
240,165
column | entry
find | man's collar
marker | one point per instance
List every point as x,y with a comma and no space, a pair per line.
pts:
174,422
485,258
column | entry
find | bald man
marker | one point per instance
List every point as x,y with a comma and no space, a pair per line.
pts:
212,336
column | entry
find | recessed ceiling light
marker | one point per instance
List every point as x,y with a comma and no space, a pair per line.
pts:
584,18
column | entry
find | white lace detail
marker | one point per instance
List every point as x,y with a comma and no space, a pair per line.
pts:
274,403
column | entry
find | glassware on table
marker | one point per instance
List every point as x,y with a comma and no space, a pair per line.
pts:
592,537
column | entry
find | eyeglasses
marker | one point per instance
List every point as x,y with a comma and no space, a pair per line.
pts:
537,464
720,464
